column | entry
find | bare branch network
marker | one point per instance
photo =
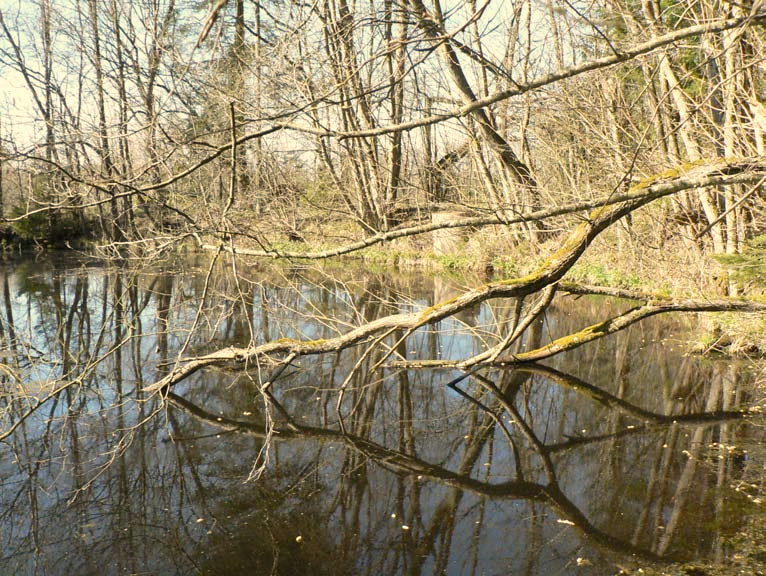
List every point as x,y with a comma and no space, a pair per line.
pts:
714,173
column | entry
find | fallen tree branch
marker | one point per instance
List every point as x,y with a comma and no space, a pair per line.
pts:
642,192
596,331
720,172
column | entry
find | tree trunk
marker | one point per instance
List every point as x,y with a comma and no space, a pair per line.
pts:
115,231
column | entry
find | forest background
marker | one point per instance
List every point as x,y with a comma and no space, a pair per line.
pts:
610,147
498,136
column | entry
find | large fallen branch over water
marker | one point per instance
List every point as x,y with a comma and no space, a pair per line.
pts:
710,173
597,331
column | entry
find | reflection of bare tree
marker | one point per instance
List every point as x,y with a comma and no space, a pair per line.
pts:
456,457
493,405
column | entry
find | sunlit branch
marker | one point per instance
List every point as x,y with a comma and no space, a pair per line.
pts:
550,272
618,323
491,354
638,192
653,307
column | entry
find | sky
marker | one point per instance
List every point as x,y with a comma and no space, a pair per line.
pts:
17,111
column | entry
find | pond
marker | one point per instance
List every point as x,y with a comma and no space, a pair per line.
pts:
623,453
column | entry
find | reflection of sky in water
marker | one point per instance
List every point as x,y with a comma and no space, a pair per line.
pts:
99,485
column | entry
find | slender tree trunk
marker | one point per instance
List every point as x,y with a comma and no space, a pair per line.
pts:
2,167
145,75
51,154
686,122
126,169
364,163
238,87
257,176
513,167
105,154
396,60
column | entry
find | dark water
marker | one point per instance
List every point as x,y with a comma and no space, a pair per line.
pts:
623,453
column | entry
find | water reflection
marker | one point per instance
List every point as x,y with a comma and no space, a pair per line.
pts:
624,451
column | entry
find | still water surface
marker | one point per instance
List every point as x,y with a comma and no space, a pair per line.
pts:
625,452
